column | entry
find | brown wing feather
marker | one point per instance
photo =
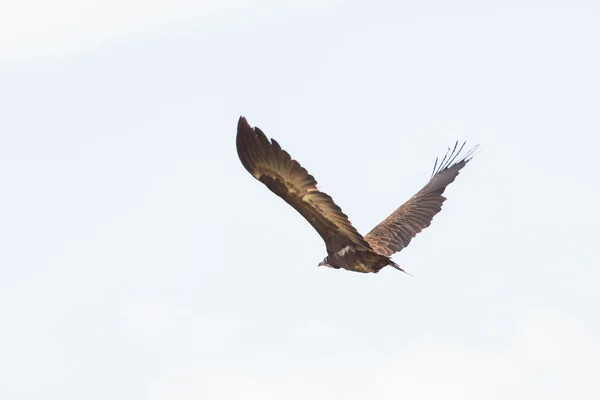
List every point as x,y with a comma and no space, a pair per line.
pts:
285,177
396,231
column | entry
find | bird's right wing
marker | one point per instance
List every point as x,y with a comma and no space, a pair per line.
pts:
396,231
285,177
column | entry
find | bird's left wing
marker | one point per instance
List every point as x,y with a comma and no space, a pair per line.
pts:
285,177
396,231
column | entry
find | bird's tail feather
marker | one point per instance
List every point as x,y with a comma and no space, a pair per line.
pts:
378,261
393,264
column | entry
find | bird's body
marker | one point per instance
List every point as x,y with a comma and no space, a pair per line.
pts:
346,248
357,260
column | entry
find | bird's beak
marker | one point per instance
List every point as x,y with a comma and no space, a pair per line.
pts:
321,263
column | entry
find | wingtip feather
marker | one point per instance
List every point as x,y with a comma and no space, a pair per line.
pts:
451,158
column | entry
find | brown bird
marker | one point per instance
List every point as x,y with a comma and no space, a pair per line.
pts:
346,248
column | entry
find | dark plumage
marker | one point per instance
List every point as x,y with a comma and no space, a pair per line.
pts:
346,248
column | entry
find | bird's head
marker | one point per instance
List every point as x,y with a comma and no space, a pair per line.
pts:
324,263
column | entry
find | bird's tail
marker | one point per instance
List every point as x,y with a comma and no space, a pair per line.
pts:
393,264
378,261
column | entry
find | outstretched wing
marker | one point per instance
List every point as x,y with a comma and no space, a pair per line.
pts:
396,231
274,167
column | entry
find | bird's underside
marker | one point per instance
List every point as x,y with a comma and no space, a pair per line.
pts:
346,248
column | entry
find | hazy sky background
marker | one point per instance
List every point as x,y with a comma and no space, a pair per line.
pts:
139,259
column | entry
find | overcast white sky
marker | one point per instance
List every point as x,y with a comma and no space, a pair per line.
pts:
139,259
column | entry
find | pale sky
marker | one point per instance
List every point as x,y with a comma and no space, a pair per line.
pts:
140,260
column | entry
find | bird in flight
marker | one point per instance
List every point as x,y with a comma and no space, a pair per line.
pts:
346,248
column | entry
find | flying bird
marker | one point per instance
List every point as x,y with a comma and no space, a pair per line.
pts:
346,248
